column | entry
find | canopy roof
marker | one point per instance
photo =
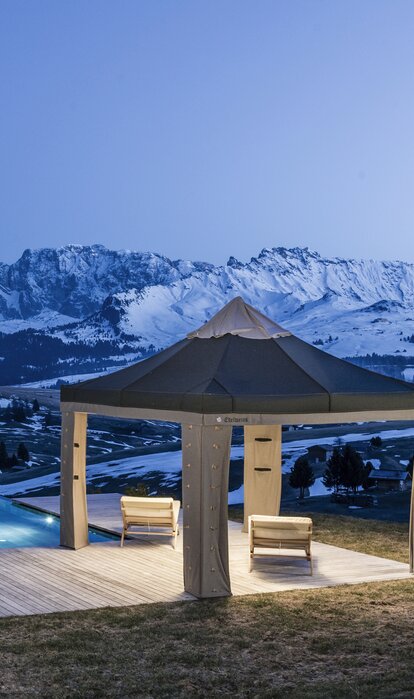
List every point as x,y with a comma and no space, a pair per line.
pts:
242,362
239,318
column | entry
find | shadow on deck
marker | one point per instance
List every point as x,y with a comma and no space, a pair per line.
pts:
41,580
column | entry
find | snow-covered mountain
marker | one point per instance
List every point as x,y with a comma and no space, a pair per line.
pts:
75,280
121,302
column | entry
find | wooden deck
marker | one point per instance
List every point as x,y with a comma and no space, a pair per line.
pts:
40,580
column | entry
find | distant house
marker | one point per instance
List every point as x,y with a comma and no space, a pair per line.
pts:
318,455
389,480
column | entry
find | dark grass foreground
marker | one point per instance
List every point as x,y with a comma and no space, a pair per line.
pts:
349,641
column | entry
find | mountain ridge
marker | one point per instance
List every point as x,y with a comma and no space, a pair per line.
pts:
134,303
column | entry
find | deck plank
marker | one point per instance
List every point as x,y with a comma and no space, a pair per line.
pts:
148,569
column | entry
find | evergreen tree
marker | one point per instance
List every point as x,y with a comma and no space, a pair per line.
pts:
366,483
13,461
353,468
18,411
301,476
20,415
8,414
35,406
333,475
140,491
48,419
410,466
23,453
4,457
375,441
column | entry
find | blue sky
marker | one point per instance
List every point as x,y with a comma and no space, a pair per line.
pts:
210,128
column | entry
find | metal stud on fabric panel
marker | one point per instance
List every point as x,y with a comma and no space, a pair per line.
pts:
208,553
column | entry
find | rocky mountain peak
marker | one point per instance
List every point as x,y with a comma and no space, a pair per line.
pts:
81,293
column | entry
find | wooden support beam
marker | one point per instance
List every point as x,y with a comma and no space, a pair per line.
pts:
411,534
73,508
206,458
262,470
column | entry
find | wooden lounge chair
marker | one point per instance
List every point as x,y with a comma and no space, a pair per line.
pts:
152,514
268,532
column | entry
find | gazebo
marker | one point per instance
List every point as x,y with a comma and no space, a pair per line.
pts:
240,368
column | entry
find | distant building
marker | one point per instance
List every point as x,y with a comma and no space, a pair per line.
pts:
318,455
389,480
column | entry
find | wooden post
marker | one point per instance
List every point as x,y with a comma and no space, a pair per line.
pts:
73,507
411,533
206,459
262,470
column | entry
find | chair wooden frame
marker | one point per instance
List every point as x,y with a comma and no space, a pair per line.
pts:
279,533
161,513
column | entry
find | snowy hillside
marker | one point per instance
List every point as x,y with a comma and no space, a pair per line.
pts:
77,300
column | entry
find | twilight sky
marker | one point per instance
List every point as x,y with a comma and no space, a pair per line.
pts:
210,128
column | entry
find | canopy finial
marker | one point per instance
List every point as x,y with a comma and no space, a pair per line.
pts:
239,318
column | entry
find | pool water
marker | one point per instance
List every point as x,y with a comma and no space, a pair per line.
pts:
21,526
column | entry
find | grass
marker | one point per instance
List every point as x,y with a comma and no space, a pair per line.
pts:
342,642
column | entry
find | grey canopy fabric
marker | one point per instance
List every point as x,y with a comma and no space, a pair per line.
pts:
239,318
243,362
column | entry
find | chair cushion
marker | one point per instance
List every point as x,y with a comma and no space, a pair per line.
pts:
152,503
280,528
162,512
280,523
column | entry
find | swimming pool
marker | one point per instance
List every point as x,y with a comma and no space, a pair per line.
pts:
21,527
